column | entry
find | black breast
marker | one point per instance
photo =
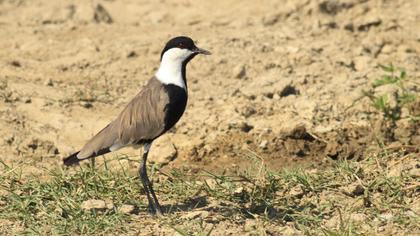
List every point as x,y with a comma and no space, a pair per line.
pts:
176,106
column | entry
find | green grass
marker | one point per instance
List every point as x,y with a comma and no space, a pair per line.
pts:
320,202
54,206
404,96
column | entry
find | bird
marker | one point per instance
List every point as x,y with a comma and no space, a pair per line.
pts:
152,112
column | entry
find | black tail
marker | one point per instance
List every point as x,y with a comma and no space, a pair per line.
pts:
71,160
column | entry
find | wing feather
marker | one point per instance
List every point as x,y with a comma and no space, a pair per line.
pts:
142,119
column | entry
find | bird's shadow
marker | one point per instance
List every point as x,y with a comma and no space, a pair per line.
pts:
228,210
191,204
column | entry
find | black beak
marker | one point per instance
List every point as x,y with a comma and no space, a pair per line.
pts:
201,51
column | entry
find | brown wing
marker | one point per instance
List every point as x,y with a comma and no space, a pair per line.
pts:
142,119
144,116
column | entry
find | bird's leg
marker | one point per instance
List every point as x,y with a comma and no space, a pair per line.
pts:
145,180
92,163
154,205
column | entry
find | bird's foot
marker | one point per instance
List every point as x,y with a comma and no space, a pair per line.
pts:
156,210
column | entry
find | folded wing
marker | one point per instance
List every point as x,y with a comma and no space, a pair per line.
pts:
143,119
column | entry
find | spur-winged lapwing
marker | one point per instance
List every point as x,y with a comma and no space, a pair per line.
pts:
152,112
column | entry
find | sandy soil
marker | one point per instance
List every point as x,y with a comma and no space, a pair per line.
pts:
276,68
280,83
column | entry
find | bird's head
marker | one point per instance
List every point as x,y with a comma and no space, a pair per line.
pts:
181,49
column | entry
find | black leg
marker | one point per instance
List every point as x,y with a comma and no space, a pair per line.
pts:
154,205
92,163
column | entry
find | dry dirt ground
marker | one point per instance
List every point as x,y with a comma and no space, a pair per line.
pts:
282,81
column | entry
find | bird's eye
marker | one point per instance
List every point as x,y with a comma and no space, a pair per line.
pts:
181,45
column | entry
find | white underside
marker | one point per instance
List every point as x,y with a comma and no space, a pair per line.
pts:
170,69
115,147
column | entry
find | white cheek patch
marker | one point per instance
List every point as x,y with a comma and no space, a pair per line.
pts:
170,70
175,54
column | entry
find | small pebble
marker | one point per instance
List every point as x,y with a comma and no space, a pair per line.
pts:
239,72
49,82
263,144
86,104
